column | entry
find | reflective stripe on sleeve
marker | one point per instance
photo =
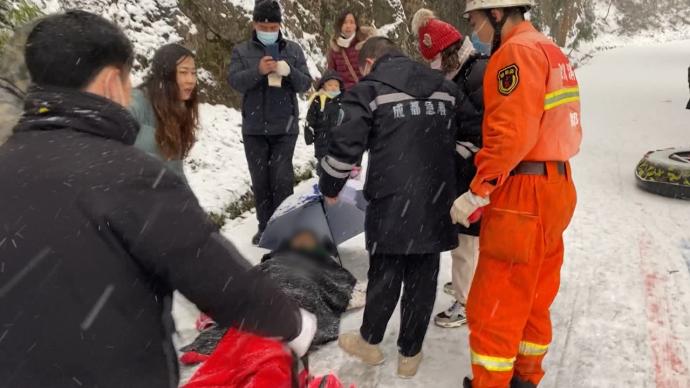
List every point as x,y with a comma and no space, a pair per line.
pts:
561,97
335,163
493,364
532,349
443,96
336,168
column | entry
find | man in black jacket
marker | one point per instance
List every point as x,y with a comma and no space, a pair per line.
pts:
95,235
404,114
269,71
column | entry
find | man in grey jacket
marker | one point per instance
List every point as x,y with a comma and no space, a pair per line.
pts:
269,71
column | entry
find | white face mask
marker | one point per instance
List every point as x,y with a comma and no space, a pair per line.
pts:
437,63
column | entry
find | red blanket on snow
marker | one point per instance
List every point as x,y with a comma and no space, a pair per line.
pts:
249,361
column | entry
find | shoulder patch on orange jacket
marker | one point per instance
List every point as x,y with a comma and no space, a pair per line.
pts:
508,79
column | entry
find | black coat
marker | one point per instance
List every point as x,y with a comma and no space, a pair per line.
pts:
94,237
321,122
404,114
268,110
470,116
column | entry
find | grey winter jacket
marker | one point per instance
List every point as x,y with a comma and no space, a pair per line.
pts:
268,110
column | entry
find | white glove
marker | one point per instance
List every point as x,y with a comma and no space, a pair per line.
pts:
465,206
282,69
301,344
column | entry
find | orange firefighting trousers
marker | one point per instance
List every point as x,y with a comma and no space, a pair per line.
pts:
518,276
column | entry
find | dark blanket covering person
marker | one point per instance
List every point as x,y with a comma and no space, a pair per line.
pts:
308,274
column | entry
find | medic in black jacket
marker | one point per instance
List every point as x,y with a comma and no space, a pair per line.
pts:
404,114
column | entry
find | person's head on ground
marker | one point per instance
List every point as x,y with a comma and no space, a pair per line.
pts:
78,50
304,240
374,49
439,42
172,89
346,25
268,18
503,15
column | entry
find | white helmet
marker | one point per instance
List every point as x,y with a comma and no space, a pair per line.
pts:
474,5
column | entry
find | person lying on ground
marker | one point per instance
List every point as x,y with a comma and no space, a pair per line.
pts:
97,234
306,270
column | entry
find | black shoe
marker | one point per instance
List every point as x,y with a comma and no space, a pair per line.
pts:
257,237
467,383
517,383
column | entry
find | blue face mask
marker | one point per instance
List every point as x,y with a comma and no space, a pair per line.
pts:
334,94
484,48
267,38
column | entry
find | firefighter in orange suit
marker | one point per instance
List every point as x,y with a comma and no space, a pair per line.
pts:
525,192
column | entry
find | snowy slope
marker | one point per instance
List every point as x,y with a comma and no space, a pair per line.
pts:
622,318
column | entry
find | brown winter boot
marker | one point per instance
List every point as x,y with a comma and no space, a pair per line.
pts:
408,366
353,344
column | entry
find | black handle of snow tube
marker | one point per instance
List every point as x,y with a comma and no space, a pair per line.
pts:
335,246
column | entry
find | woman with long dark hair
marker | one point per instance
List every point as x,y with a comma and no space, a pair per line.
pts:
167,107
348,39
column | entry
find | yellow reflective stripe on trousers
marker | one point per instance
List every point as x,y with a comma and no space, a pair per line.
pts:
532,349
560,97
493,364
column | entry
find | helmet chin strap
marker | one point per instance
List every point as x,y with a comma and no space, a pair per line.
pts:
498,29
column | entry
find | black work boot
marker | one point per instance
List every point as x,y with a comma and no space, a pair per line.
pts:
517,383
467,383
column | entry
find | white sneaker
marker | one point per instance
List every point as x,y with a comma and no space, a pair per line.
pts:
452,318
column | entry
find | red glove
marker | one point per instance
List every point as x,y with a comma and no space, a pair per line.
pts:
476,216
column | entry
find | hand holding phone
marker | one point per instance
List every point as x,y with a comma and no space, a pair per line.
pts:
267,65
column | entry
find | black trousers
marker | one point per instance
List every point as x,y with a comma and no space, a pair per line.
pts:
417,275
270,166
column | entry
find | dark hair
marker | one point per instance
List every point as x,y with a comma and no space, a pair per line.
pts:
176,123
68,50
338,26
375,48
449,57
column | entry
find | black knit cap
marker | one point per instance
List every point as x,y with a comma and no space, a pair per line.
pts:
267,11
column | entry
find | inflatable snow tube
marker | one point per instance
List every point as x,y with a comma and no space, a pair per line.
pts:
666,172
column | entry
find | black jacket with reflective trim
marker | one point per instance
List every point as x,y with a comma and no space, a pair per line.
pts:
404,114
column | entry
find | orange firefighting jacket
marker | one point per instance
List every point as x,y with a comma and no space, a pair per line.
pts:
532,108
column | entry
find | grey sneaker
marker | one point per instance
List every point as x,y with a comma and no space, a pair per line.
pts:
451,318
449,289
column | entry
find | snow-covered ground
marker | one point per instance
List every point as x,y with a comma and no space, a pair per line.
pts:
622,318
